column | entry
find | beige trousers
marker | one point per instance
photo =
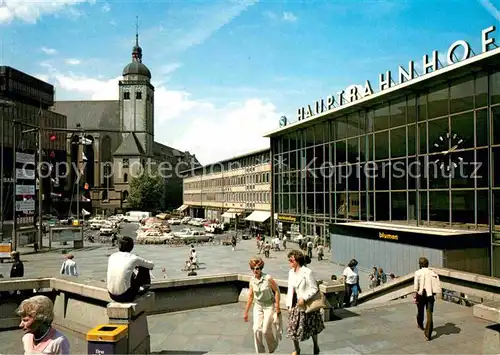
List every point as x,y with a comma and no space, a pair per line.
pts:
263,328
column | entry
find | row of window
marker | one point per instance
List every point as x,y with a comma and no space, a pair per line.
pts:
138,95
31,115
457,207
248,162
240,180
457,170
230,197
32,92
449,99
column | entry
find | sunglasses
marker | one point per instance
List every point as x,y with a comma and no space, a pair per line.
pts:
257,268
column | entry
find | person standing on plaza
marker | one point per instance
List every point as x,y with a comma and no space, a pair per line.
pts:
321,252
123,283
69,267
37,314
284,241
302,286
426,287
17,269
264,295
276,242
310,246
373,277
233,242
352,288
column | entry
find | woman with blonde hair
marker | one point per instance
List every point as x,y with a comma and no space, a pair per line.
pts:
37,314
265,296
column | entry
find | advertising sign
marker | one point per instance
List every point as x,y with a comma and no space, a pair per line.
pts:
25,206
23,158
25,174
5,250
25,190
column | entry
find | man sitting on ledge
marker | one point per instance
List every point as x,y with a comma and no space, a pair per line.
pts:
125,283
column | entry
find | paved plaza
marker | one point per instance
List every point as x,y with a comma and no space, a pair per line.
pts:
386,329
215,259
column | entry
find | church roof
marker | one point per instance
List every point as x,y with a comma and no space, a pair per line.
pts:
90,114
136,68
129,147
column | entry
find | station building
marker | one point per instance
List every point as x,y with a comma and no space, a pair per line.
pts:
404,168
237,189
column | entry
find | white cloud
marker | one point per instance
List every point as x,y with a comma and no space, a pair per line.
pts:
212,132
105,7
73,61
289,16
490,7
49,51
31,11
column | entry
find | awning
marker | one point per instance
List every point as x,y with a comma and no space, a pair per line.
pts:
259,216
182,208
232,213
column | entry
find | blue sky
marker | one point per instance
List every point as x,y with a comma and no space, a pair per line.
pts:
225,71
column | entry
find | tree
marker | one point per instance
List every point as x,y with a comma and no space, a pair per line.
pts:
146,191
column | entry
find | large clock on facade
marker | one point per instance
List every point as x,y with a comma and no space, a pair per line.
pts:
447,144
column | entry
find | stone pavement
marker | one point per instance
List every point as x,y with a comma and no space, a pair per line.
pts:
215,259
388,329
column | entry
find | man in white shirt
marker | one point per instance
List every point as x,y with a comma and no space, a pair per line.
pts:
426,287
276,242
124,284
69,266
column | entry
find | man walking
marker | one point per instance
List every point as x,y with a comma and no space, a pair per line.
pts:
426,287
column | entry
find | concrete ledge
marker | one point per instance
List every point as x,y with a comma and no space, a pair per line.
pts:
25,284
87,291
467,276
194,280
487,311
332,287
128,311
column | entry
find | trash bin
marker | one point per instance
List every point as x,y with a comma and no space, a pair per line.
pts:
108,339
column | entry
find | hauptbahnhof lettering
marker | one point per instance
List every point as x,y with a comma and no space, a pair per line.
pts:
448,116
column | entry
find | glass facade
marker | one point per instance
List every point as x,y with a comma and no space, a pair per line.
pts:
426,158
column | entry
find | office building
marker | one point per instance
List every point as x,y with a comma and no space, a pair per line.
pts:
235,188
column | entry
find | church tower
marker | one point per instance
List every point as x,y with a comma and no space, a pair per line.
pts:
137,101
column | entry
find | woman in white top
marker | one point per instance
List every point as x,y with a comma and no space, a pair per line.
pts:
37,314
265,296
302,286
352,288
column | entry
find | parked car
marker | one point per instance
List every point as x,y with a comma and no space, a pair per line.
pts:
174,221
194,237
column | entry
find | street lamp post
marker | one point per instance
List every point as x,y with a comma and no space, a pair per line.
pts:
3,104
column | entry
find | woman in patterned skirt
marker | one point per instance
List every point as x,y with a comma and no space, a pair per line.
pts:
302,286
